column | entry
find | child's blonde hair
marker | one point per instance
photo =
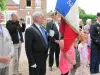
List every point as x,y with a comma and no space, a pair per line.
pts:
82,36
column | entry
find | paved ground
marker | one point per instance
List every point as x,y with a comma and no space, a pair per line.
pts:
24,65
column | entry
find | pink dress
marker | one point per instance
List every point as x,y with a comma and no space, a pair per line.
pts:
83,69
64,64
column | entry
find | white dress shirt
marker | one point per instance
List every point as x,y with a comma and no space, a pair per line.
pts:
57,25
37,25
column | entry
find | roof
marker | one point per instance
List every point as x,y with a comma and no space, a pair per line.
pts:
11,2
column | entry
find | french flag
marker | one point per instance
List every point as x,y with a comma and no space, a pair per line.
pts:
69,26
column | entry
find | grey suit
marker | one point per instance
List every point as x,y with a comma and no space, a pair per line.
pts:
6,49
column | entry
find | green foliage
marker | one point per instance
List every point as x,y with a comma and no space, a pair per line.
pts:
84,17
81,11
3,5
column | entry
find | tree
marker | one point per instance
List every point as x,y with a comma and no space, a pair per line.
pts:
84,17
81,11
3,5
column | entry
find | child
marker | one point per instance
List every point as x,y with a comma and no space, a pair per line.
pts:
83,50
67,60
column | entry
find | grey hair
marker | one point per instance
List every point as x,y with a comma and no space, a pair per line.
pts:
88,20
37,14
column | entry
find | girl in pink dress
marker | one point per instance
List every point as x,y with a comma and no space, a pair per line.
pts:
67,60
83,50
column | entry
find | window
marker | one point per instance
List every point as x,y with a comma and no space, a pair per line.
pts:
28,21
38,4
28,3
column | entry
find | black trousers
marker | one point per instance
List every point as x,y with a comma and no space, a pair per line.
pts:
37,71
65,74
54,48
95,60
41,67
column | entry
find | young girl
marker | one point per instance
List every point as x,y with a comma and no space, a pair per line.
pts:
83,50
67,60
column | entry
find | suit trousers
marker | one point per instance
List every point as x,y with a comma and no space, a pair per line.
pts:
41,66
4,71
54,48
17,52
94,60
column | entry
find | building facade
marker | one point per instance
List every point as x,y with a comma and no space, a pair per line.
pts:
27,7
12,7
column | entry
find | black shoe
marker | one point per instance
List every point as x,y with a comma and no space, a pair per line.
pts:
50,69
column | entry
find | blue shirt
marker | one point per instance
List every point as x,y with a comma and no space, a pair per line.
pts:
1,29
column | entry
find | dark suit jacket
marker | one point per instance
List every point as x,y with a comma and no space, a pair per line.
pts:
36,48
52,26
95,35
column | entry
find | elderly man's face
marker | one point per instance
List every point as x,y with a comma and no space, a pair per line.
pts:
14,17
41,19
1,18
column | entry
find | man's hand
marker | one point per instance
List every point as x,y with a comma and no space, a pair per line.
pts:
68,57
23,22
34,66
57,41
61,44
4,59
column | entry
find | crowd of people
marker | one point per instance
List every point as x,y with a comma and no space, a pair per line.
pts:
40,40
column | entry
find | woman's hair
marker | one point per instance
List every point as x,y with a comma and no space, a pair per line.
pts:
54,13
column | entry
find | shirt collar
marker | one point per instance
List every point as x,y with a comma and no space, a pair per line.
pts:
37,25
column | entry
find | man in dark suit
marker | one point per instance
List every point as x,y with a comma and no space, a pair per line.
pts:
36,45
95,46
53,30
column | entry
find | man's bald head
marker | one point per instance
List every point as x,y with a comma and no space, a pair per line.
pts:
38,17
14,17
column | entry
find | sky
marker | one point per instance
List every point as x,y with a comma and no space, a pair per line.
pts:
90,6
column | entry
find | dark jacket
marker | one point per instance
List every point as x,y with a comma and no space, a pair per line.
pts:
95,47
95,35
52,26
36,48
14,28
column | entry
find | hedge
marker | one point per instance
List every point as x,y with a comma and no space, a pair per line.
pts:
84,17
